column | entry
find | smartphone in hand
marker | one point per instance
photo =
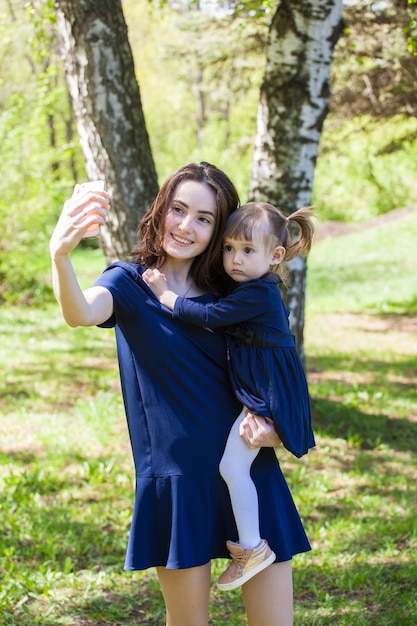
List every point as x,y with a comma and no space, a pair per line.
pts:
94,185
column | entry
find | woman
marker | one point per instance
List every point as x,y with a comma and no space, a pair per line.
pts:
179,403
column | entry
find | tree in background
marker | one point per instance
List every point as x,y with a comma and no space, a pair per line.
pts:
367,164
292,108
106,99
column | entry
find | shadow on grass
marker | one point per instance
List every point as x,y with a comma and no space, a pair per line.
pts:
376,373
66,520
139,606
66,366
367,431
147,607
361,594
18,457
140,602
27,386
360,389
143,606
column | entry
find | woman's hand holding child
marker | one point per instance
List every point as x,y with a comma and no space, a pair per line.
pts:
258,432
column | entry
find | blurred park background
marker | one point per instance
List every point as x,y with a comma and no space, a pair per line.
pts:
65,466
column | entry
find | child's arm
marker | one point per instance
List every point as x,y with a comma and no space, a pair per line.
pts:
246,302
159,285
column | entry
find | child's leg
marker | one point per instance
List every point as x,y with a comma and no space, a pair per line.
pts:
251,554
235,469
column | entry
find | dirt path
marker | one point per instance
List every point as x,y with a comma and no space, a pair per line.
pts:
325,230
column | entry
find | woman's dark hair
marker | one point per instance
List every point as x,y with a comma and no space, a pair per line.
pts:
207,269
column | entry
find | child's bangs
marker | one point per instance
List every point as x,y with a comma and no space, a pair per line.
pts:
246,227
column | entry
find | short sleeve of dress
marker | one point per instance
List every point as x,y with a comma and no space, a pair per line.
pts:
122,280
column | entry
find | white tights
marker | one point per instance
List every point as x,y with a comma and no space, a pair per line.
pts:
235,469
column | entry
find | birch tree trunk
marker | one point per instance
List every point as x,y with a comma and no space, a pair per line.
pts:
292,108
106,100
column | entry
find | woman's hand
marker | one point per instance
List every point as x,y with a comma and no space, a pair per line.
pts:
258,432
83,210
86,209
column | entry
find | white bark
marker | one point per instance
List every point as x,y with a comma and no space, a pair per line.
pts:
292,107
106,100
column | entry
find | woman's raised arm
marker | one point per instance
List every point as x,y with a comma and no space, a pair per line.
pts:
79,308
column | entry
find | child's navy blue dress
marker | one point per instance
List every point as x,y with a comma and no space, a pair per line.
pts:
265,369
180,407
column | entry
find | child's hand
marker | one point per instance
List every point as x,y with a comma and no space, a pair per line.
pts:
159,285
156,281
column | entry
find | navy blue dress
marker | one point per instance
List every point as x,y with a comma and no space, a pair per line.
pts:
180,407
265,369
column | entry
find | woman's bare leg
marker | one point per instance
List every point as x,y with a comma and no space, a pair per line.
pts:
186,594
269,596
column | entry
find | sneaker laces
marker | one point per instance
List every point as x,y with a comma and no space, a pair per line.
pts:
240,560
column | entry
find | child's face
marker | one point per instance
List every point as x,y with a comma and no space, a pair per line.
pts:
245,260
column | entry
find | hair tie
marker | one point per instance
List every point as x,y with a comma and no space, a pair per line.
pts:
287,219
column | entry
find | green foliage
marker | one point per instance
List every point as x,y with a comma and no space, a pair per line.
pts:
199,77
35,174
411,28
365,168
373,72
27,194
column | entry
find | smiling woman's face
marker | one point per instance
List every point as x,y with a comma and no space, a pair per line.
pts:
190,220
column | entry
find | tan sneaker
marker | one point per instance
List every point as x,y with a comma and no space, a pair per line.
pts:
245,564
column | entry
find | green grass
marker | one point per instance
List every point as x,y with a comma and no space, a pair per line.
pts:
368,270
66,473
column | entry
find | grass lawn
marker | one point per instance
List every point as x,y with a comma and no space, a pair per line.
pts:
66,471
